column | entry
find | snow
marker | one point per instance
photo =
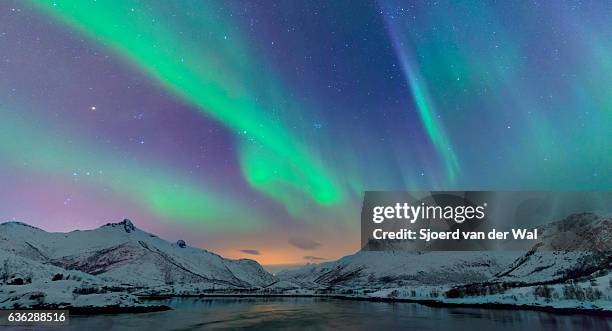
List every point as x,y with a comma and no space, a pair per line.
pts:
116,255
123,253
61,294
572,252
520,296
116,263
403,267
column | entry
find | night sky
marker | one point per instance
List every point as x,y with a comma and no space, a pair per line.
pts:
251,128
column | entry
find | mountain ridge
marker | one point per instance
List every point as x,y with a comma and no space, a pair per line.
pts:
567,245
117,264
119,250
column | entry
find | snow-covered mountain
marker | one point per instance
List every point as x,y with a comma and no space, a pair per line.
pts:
124,254
116,264
577,246
367,269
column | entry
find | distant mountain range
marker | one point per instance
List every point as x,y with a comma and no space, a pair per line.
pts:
575,247
122,253
116,264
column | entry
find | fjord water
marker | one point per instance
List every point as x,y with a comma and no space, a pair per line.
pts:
319,313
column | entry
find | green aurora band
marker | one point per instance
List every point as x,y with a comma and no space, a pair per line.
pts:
213,78
45,150
475,67
426,110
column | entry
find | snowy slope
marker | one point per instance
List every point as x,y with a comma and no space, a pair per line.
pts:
123,253
14,268
593,295
27,283
400,268
577,246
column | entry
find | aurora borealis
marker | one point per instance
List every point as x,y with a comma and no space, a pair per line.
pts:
250,126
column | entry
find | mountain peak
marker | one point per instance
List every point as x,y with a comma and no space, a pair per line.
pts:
126,224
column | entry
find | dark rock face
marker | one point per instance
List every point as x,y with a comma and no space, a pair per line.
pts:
181,243
16,281
128,226
100,261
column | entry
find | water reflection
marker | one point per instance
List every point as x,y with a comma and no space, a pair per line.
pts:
317,314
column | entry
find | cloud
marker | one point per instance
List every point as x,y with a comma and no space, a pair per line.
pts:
304,243
250,251
314,258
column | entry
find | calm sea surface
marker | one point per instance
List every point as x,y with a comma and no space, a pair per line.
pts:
320,314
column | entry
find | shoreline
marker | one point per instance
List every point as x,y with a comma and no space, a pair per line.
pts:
424,302
104,310
112,310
